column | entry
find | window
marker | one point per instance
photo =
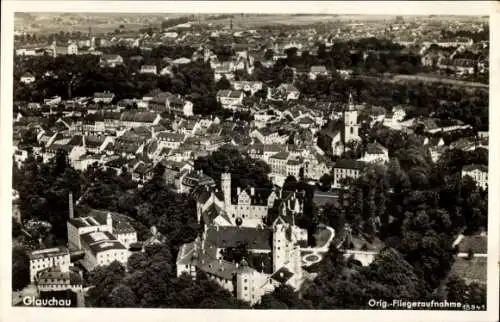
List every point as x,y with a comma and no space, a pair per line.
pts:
245,288
245,280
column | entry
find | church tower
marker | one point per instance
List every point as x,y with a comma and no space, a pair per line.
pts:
351,126
226,190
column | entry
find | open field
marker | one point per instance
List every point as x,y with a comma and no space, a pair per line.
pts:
399,78
106,22
435,79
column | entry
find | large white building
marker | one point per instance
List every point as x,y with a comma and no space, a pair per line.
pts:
43,259
103,236
478,172
346,169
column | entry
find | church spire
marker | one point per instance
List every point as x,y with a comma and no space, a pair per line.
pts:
350,103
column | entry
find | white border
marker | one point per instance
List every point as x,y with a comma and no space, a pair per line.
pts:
483,8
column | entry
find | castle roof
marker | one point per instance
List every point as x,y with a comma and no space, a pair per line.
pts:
224,237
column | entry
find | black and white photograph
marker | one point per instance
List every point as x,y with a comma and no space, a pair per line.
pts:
250,160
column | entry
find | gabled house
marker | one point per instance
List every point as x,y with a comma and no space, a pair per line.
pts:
317,71
284,92
268,136
170,140
230,99
148,69
136,119
375,153
247,86
110,61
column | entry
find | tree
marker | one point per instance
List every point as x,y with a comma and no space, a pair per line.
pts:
244,170
458,291
104,279
290,184
20,269
269,54
223,83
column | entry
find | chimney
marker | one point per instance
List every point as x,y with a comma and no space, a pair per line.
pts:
70,203
252,191
238,191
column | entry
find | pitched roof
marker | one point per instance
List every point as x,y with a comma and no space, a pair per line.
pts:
472,167
224,237
48,252
282,275
318,69
349,164
144,117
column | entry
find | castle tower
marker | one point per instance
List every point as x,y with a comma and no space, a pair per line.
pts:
245,289
226,190
280,247
351,127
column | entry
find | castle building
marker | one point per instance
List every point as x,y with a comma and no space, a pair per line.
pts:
263,221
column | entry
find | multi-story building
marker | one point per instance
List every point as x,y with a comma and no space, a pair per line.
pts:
375,153
148,69
268,136
73,49
132,119
101,249
55,279
318,71
478,172
111,61
170,140
102,235
247,86
189,180
104,97
344,169
230,99
44,259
